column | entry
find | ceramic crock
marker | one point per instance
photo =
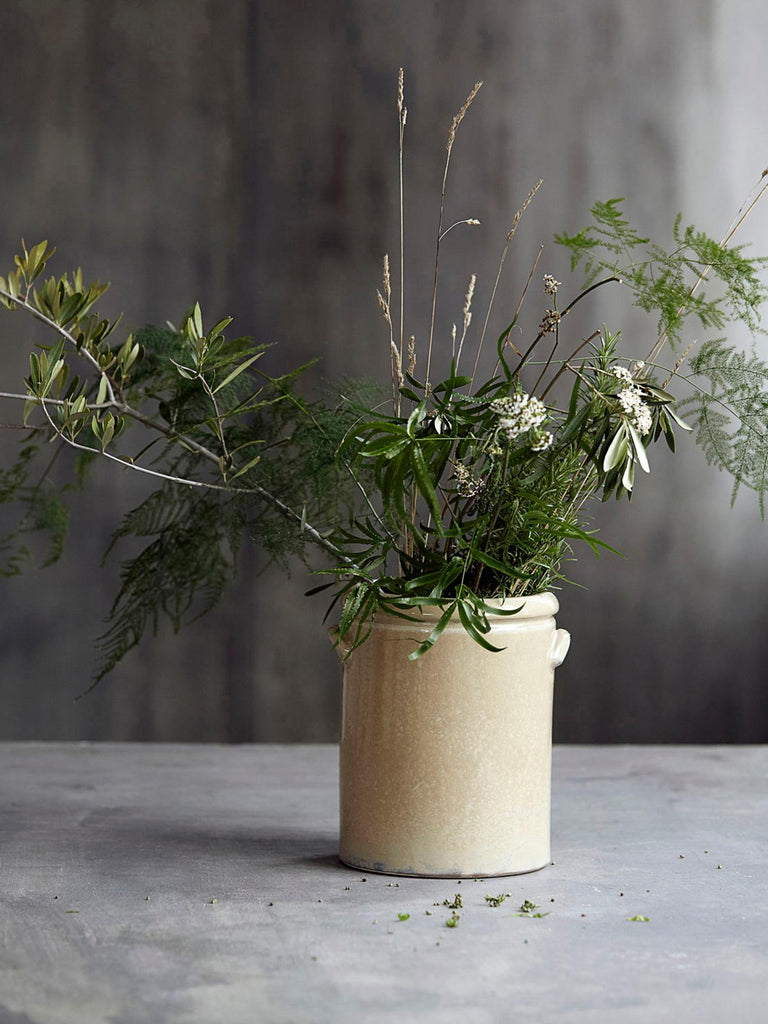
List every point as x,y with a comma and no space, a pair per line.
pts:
445,762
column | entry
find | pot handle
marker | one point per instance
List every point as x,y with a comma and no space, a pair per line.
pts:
559,649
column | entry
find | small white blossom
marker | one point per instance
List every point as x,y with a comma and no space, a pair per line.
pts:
636,410
623,374
543,441
551,285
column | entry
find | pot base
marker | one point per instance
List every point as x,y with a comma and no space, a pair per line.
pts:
369,869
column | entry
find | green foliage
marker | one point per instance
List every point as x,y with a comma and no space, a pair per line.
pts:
731,414
672,283
43,512
458,495
181,573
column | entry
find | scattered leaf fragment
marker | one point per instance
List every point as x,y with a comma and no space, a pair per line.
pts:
527,910
453,920
496,901
403,917
639,917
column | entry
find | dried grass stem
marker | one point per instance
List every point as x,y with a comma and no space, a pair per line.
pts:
449,147
510,236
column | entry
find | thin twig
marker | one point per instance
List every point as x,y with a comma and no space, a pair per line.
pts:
471,221
566,365
510,236
259,491
219,418
517,311
568,308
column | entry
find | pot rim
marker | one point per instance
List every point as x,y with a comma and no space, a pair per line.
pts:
533,606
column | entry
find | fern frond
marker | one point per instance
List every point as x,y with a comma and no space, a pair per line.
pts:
43,513
672,283
731,415
181,574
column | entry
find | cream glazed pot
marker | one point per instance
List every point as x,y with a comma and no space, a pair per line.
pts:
445,762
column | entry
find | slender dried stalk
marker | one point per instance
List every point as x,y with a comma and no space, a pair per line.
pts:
510,236
567,364
680,362
467,313
402,115
449,147
396,364
517,314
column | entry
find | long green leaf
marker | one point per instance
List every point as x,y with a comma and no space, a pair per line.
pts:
434,636
466,616
617,450
424,482
236,372
639,447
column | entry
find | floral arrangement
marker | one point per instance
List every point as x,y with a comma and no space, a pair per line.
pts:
447,492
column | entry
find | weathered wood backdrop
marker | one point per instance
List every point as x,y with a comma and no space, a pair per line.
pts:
243,153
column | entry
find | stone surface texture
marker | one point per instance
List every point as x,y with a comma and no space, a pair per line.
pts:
188,885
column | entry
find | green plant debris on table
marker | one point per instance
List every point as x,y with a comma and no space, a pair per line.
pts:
527,910
496,901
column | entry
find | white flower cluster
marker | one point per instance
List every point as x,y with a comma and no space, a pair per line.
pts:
518,413
623,374
466,485
631,402
551,285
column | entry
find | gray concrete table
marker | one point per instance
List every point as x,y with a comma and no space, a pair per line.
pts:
200,884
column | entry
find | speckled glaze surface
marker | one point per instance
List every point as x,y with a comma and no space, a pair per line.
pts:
446,761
